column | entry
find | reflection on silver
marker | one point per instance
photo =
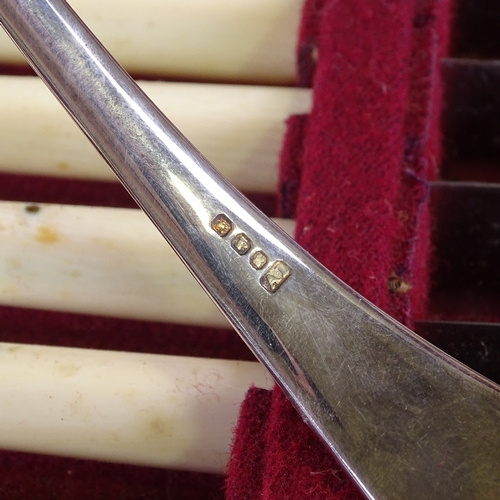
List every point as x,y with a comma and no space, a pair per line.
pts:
405,420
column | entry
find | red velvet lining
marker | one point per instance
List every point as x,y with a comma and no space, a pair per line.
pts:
359,193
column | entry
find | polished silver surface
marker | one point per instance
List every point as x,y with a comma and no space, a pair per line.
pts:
406,421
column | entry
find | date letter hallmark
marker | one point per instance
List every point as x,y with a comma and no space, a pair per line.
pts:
275,276
258,260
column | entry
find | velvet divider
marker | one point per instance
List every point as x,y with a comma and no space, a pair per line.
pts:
355,175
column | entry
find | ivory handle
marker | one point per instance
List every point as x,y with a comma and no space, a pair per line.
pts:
143,409
107,261
224,40
239,128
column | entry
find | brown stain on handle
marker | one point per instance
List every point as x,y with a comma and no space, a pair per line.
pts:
67,370
156,425
63,166
47,235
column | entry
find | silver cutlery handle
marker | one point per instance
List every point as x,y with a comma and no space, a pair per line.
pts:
406,421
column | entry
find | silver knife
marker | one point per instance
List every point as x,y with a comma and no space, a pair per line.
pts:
405,420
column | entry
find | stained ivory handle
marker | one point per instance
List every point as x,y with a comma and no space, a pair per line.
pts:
143,409
405,420
95,260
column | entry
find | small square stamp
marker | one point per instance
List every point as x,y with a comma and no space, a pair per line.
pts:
241,243
258,259
275,276
222,225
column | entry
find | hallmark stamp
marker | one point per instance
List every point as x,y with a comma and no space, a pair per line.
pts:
222,225
275,276
241,243
258,259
